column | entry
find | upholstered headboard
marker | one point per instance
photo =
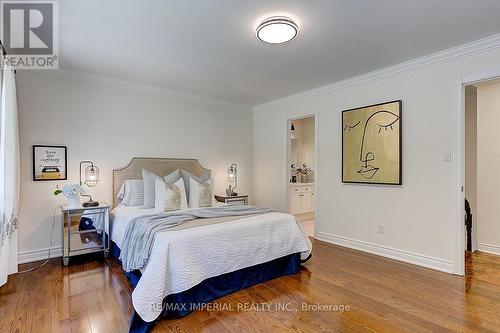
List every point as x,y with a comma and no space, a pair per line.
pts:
159,166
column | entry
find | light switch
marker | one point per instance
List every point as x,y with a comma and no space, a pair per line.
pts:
446,157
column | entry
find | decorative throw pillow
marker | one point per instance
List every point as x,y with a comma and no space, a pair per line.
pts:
133,192
149,185
200,193
170,197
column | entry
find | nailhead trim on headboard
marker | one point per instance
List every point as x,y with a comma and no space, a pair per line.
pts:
136,165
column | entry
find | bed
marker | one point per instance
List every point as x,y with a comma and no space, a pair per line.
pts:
203,259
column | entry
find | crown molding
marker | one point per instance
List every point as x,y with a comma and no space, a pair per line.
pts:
145,88
478,46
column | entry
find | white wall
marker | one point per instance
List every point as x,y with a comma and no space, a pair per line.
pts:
471,156
109,122
419,215
488,161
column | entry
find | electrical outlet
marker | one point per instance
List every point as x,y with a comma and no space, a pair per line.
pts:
380,228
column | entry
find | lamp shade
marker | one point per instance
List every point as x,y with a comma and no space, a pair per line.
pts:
91,175
232,175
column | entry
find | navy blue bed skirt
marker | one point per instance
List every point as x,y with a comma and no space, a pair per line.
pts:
180,304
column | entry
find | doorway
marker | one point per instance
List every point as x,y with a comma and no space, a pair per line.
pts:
481,160
301,171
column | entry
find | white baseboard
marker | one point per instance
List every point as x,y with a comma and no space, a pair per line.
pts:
384,251
40,254
488,248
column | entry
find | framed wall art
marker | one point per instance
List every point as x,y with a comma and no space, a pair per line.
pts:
371,144
49,163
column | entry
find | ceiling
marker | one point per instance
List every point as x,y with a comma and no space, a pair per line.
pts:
209,47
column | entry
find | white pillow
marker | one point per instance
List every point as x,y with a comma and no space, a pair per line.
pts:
121,194
170,197
149,185
149,188
186,175
201,194
172,177
133,192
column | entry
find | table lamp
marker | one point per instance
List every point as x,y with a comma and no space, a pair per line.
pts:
232,179
91,178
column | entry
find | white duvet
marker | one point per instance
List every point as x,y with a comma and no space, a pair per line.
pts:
181,259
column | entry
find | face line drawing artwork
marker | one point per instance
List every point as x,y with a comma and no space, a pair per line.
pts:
367,170
372,154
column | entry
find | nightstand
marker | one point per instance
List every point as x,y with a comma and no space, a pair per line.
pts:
233,200
85,230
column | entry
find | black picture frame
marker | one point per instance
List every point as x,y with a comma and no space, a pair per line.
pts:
52,176
400,182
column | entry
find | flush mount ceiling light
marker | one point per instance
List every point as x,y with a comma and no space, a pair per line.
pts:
277,30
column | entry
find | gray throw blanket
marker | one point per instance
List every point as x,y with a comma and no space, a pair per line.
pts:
140,233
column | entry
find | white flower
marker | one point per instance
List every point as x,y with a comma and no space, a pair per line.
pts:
72,189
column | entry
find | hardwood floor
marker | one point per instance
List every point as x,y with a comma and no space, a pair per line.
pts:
92,295
307,221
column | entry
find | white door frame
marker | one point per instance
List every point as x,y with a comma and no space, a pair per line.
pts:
316,162
458,166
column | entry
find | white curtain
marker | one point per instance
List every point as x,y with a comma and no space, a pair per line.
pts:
9,175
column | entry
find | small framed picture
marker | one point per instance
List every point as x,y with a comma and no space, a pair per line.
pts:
49,163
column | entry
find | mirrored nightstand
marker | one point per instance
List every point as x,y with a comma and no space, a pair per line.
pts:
85,230
233,200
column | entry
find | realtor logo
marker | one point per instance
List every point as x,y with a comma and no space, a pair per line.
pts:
29,34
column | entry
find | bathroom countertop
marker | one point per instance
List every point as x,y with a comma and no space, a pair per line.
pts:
300,184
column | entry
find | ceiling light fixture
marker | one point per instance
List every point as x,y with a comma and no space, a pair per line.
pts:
277,30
